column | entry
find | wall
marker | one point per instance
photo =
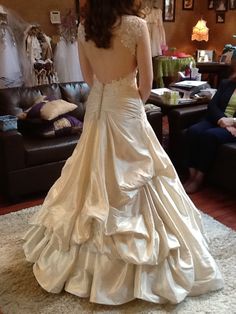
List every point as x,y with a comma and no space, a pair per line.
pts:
178,33
38,11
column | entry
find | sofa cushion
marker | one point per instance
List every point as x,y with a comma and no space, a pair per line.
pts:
31,127
76,93
41,151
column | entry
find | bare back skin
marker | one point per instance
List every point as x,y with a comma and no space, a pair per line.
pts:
130,50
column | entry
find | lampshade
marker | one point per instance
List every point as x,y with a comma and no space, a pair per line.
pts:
200,31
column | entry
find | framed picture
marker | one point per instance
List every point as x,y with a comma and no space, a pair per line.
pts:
211,4
188,4
169,10
226,57
232,4
205,55
221,5
220,17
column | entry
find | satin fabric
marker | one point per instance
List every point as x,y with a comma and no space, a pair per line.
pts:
117,224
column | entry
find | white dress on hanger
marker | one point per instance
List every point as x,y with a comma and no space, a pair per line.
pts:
156,31
10,69
118,225
66,61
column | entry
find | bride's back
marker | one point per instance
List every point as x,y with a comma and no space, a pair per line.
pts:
119,60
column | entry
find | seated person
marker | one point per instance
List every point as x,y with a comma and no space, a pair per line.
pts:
218,127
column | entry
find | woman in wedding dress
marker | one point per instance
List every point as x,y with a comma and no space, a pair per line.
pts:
118,225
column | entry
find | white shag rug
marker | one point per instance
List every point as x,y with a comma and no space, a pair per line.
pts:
21,294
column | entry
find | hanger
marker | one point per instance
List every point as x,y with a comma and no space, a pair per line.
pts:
155,4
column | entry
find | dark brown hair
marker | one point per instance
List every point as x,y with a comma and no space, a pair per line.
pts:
100,16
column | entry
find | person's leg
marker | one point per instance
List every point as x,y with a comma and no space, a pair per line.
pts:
192,146
210,143
195,184
192,172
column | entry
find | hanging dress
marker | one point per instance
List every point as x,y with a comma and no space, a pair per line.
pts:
156,31
39,53
66,61
10,69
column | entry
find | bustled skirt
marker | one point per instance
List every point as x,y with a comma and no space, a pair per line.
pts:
118,225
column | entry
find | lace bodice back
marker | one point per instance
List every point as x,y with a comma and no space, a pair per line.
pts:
119,60
129,32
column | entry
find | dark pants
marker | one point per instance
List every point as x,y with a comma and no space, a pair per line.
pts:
202,142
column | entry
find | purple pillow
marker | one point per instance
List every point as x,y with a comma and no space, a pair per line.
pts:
62,126
34,111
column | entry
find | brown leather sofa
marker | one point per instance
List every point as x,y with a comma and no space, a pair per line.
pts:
223,170
30,164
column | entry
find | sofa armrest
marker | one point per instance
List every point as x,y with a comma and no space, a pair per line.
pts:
179,120
11,151
223,170
155,119
182,118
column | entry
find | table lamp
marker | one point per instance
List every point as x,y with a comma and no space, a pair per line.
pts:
200,31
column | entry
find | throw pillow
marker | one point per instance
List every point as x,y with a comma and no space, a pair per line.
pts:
62,126
53,109
48,110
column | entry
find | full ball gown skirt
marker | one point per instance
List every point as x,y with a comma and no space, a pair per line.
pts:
118,225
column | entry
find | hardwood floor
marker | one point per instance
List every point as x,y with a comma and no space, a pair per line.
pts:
217,204
8,207
210,200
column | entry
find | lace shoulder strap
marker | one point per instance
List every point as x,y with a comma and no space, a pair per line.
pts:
130,31
81,33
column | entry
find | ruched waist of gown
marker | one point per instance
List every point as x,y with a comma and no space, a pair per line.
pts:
118,96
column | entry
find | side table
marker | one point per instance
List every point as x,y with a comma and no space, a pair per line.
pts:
166,108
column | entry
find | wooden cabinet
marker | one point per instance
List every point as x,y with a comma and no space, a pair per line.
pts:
214,72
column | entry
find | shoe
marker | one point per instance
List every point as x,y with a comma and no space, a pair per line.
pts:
193,186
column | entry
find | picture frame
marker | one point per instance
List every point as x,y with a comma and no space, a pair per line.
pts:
188,4
226,57
169,10
211,4
220,17
232,4
221,5
205,56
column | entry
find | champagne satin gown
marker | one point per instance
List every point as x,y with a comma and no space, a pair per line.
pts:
118,225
